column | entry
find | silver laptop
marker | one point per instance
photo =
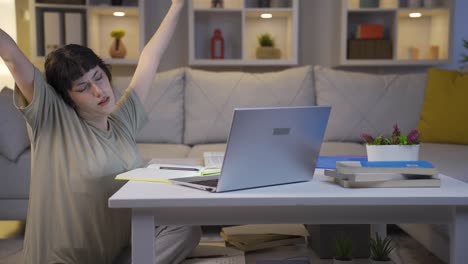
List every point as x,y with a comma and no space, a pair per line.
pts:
268,146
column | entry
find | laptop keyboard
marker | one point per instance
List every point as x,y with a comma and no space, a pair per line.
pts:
209,183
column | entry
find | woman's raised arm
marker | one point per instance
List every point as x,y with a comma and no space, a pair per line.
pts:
151,54
20,67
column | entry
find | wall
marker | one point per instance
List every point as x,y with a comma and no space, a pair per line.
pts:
318,40
319,22
8,23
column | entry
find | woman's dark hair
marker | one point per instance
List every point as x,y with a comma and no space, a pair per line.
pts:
65,65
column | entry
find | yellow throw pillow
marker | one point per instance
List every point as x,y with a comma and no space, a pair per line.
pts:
444,116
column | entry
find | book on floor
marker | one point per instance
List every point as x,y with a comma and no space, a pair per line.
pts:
247,247
255,237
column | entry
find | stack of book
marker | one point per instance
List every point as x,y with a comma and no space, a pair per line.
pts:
255,237
368,174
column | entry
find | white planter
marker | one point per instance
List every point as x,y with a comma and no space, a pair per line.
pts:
335,261
392,152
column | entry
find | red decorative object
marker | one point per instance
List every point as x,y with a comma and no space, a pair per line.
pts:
217,45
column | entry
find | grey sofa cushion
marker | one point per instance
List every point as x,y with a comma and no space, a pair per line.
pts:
15,176
369,103
164,105
210,98
14,138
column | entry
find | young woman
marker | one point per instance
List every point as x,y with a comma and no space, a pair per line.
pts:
80,139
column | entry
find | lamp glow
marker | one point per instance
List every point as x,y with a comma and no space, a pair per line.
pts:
414,15
119,14
266,15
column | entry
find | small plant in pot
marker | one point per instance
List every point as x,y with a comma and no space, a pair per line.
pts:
343,250
397,147
380,250
267,49
117,48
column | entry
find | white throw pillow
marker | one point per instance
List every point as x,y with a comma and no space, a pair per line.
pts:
369,103
164,105
210,98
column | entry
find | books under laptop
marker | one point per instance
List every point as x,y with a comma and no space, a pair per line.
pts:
268,146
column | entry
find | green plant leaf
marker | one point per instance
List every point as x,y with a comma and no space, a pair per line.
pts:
266,40
343,247
381,248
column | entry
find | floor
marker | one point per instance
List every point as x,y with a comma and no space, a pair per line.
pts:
408,251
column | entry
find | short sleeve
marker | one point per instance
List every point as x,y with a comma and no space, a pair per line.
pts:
131,112
44,105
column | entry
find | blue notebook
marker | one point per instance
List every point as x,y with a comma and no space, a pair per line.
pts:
329,162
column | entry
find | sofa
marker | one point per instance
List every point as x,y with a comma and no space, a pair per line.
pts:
190,112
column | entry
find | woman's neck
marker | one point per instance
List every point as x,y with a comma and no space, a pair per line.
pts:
101,124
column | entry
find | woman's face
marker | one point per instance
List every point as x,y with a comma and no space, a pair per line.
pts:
93,95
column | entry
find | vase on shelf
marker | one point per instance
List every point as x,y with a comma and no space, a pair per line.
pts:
392,152
117,49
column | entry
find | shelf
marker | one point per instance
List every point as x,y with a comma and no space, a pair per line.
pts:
234,62
377,62
207,4
88,24
241,25
61,6
120,61
109,10
408,41
220,10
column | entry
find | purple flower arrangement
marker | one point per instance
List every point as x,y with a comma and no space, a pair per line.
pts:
397,138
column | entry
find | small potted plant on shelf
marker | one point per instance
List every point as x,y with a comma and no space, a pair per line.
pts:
267,49
380,250
117,48
343,250
396,147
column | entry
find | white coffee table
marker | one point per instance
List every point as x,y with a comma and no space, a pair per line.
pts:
316,202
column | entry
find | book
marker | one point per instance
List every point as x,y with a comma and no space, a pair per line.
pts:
255,237
370,31
403,167
382,180
213,159
329,162
433,182
280,229
163,172
374,176
246,247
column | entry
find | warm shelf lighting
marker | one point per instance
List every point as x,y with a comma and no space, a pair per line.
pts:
414,15
266,15
119,14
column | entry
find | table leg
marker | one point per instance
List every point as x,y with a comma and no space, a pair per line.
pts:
459,235
142,238
380,229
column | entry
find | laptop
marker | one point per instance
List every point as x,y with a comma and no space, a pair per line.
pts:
267,146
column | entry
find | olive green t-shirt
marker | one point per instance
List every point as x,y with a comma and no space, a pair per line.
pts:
73,166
